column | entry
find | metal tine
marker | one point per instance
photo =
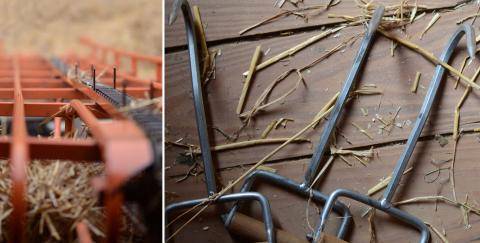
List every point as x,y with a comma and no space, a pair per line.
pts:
203,132
349,84
305,189
427,105
384,204
197,94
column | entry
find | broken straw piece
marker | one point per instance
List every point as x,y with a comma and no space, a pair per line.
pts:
295,49
415,82
431,57
383,183
362,131
430,24
246,85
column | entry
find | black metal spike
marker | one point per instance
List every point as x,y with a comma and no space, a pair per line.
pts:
114,77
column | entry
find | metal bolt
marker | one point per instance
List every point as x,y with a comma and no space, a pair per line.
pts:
114,77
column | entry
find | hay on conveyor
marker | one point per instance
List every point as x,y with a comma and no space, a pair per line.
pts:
59,195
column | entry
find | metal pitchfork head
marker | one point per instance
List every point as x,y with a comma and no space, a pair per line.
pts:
305,189
384,204
203,132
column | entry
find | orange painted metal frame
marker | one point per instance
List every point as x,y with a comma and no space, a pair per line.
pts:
134,58
19,158
117,141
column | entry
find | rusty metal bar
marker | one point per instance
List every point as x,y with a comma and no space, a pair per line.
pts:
83,233
133,66
19,158
63,149
125,152
99,100
37,109
118,54
97,46
57,131
125,149
129,77
45,84
47,93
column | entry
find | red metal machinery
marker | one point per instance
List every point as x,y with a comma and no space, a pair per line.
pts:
99,56
32,86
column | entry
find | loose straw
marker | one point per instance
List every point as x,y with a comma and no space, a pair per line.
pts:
246,85
197,22
462,67
456,135
250,143
383,183
430,24
430,57
414,87
295,49
321,114
268,156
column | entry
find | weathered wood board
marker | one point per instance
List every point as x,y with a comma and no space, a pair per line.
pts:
394,75
289,211
224,19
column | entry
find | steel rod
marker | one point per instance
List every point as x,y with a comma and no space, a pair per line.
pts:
349,84
198,99
431,95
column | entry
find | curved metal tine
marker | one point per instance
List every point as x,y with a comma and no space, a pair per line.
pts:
244,196
393,211
349,84
297,188
203,132
427,106
197,92
384,204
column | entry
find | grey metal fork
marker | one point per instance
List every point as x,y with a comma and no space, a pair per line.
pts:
384,204
305,189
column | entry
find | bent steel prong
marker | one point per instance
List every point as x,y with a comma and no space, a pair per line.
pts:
202,129
305,189
384,204
197,93
349,84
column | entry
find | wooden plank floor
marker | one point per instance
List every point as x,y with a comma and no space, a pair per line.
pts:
393,75
225,19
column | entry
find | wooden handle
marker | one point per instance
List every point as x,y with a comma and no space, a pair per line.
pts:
326,238
254,230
